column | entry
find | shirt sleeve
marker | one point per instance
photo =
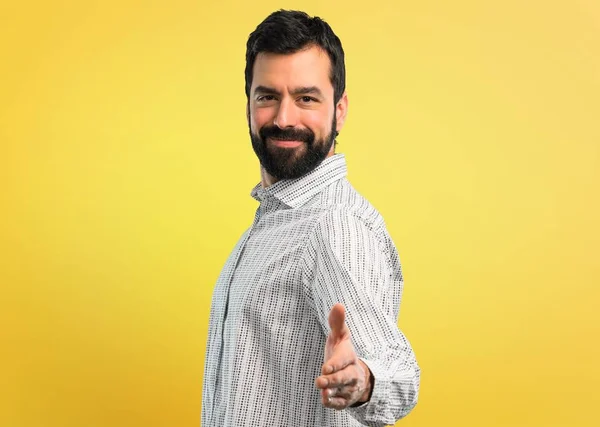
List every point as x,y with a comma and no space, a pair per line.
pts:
346,261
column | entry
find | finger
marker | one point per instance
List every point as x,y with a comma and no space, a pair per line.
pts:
335,380
341,359
340,379
321,382
337,319
347,392
334,402
343,392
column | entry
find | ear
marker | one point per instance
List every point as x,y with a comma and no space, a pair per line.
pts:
341,110
248,113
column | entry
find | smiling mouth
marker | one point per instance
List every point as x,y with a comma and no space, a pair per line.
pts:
285,143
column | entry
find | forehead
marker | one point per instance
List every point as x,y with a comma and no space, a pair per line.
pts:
308,67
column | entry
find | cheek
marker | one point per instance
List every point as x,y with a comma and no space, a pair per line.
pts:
260,117
319,123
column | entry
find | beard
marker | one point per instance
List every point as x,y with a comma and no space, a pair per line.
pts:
291,163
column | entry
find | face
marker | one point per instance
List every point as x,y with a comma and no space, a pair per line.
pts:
291,113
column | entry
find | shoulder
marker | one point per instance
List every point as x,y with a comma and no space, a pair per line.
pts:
344,209
348,224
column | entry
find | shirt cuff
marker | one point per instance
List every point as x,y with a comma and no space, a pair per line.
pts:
375,411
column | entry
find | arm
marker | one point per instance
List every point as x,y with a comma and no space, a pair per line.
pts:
346,262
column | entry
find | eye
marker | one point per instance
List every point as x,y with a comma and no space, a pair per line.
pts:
307,99
265,98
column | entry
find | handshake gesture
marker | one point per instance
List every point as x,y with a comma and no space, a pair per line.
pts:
345,380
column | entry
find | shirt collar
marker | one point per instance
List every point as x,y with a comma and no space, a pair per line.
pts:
296,192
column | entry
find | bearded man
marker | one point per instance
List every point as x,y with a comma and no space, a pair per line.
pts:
303,324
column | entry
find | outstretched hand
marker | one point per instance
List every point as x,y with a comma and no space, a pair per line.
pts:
345,379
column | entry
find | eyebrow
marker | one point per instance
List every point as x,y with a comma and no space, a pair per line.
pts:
304,90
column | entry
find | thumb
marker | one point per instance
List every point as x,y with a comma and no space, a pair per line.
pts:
337,319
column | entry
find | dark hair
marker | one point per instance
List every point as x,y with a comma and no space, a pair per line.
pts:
289,31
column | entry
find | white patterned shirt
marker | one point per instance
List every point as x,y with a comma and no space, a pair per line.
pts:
314,242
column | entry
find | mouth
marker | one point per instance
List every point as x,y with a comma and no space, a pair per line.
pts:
285,143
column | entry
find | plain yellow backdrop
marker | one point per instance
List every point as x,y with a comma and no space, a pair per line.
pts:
126,167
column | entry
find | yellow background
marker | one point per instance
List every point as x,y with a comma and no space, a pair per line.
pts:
126,167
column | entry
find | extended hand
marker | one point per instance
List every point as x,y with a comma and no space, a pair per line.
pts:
345,378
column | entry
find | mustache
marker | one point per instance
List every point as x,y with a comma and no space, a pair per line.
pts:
287,134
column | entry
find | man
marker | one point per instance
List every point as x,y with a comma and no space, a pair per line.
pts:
303,325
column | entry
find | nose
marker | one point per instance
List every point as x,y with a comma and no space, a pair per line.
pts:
286,114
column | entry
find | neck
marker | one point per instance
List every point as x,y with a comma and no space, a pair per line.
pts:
266,179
